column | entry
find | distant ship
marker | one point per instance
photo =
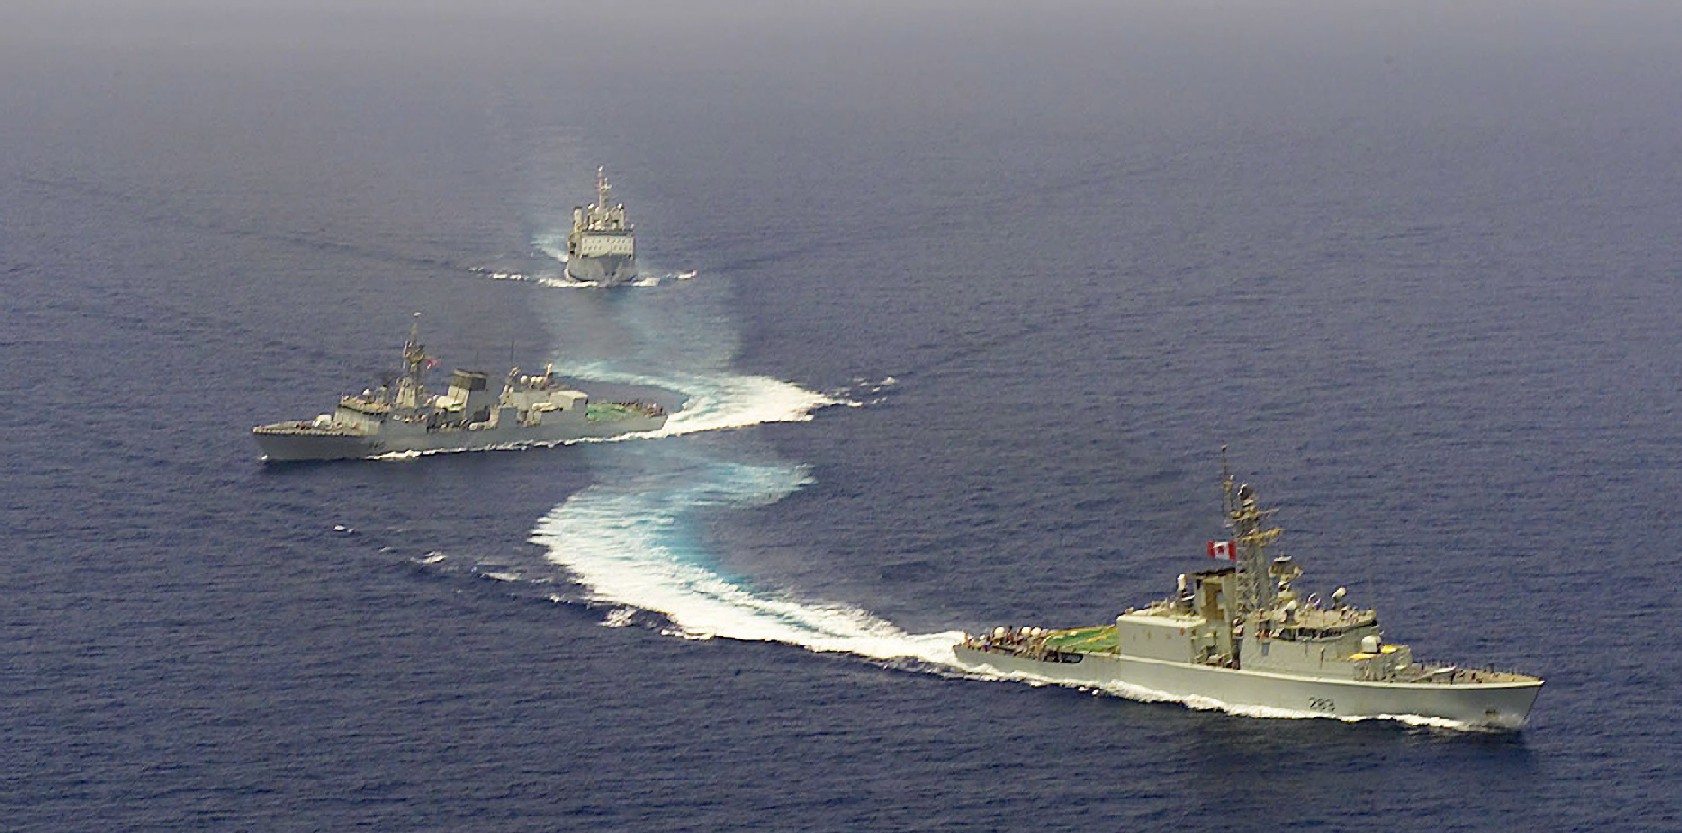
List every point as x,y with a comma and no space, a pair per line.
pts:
402,417
601,248
1241,636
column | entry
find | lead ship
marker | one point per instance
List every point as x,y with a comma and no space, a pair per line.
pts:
402,417
1240,635
601,248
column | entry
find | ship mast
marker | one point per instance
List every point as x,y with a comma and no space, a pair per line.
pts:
603,217
409,393
1251,536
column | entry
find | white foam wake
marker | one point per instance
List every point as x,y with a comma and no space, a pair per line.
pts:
634,538
637,544
550,281
552,244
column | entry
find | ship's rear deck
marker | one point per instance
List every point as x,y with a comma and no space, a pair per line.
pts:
1098,639
608,411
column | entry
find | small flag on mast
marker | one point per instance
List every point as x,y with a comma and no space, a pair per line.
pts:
1222,549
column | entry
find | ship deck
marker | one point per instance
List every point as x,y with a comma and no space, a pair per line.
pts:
307,428
605,411
1101,639
1097,639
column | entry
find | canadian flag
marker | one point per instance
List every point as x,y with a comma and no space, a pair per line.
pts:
1222,549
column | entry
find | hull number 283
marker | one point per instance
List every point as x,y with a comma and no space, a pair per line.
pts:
1321,704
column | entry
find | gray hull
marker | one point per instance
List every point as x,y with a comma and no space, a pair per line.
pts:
607,270
293,443
1499,705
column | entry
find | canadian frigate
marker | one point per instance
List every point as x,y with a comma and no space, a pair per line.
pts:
602,248
1241,637
531,409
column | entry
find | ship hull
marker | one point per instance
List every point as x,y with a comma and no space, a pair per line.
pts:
1496,705
299,442
606,270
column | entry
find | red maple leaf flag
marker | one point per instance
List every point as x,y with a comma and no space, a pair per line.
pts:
1222,549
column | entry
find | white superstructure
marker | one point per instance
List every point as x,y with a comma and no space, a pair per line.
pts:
602,247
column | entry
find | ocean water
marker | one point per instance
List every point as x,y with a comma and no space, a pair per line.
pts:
961,300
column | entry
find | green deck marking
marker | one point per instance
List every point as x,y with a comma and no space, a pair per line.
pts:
606,410
1095,639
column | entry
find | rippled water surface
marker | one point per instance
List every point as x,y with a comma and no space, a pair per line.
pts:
962,301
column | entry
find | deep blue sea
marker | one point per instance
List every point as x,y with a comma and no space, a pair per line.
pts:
962,299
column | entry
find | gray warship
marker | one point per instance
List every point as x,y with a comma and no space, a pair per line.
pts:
602,248
1241,637
401,417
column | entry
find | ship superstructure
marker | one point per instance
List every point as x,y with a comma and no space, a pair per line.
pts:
602,247
399,417
1241,636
